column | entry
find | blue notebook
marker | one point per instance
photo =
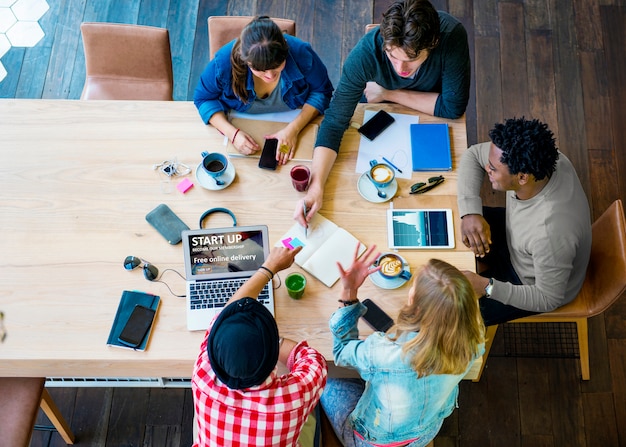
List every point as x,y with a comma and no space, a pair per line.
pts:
128,301
430,147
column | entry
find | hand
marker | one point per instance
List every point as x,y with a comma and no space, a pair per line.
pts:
281,258
361,268
287,142
245,144
313,201
476,234
374,92
478,282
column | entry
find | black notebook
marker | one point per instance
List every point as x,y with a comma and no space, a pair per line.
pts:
128,301
430,147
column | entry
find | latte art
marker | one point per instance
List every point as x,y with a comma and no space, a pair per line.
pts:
390,266
382,174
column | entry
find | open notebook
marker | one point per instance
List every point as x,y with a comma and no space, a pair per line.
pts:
258,129
324,245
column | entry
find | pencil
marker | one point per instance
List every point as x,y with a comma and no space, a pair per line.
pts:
392,165
304,210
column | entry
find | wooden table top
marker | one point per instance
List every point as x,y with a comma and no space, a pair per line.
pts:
77,180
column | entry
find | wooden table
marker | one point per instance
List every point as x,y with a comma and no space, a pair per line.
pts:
77,180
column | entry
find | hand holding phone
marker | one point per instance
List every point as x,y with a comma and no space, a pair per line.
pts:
375,317
268,155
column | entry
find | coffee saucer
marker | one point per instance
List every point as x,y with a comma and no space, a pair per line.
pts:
208,182
386,283
368,190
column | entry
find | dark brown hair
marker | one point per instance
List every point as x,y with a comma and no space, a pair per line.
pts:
412,25
261,46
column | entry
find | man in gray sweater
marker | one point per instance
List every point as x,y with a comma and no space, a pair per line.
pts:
418,57
534,253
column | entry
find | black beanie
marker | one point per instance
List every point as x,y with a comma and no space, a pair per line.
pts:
243,344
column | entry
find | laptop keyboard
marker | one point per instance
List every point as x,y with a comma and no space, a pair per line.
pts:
215,294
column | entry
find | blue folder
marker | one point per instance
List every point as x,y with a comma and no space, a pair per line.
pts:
430,147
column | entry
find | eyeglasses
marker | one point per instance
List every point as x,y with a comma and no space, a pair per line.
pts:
421,187
150,272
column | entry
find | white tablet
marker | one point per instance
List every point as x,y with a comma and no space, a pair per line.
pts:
420,228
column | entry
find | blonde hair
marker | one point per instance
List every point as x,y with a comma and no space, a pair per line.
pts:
445,314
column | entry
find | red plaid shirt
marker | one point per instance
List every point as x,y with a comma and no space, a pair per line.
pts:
270,414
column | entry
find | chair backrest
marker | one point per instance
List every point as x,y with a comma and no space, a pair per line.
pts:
606,274
19,404
223,29
127,62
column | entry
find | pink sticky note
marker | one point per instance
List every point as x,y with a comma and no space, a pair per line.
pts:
287,243
184,185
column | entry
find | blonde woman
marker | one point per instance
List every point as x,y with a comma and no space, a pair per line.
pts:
409,375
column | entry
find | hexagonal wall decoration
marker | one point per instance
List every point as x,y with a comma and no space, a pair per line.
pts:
29,10
19,25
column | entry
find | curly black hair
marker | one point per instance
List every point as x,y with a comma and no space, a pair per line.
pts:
527,147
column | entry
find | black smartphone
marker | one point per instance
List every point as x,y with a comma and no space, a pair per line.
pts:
268,155
168,224
376,317
376,124
137,326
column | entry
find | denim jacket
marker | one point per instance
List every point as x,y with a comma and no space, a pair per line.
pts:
396,405
303,81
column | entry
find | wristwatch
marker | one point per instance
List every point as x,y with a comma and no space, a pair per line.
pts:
489,288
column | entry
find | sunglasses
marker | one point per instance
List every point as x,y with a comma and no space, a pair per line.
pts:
150,272
421,187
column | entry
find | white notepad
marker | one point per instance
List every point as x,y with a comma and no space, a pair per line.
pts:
324,245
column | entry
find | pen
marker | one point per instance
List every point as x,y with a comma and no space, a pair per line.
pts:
304,210
392,165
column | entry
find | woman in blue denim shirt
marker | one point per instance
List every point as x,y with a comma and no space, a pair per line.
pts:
410,375
263,71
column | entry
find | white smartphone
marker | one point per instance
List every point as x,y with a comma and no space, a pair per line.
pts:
420,228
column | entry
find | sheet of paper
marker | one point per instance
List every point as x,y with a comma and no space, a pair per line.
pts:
281,117
394,144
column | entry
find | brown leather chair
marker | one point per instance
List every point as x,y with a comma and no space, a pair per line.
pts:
223,29
604,284
20,399
127,62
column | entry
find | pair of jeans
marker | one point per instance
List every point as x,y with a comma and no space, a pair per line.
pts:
339,399
499,267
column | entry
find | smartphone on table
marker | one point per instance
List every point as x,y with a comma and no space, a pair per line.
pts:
167,223
375,317
376,124
268,154
137,326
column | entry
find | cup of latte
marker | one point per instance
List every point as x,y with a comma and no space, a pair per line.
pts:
391,266
382,174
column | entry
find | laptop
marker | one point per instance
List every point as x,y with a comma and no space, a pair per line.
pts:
217,262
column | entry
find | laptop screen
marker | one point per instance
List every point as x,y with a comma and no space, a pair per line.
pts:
225,252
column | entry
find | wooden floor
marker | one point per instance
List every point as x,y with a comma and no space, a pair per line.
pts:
562,61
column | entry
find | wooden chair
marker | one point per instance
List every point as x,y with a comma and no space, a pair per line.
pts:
604,284
223,29
20,399
127,62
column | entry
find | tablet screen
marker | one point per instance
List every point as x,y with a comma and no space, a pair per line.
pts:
420,228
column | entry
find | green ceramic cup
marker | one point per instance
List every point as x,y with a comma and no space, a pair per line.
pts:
295,282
